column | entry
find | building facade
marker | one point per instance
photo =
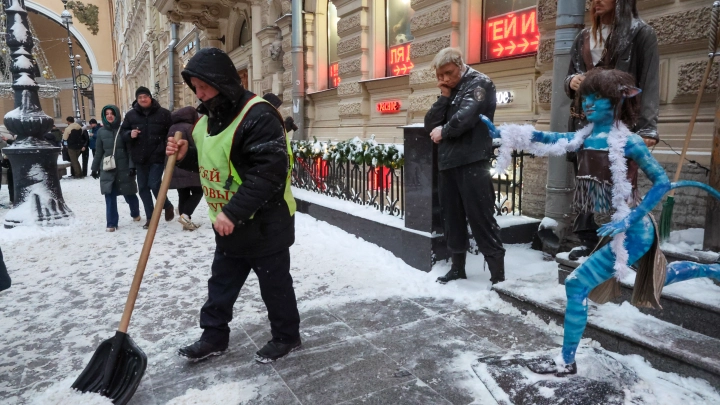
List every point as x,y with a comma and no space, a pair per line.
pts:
366,64
93,42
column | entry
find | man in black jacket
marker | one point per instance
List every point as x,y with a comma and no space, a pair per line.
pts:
145,129
242,154
464,151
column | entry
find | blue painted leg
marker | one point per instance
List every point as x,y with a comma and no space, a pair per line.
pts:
681,271
596,270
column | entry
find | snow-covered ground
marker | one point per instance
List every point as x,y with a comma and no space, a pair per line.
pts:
70,285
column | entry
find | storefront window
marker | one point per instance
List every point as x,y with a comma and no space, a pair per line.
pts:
510,29
399,37
333,39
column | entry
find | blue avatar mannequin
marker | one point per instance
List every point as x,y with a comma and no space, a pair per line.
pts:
632,230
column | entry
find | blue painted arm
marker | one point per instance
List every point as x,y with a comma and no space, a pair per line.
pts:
636,150
538,136
494,132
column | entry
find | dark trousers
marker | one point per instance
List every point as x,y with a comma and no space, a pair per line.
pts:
276,288
75,168
149,177
85,158
4,276
111,208
188,199
467,195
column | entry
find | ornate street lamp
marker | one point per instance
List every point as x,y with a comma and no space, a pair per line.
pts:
67,20
38,197
80,94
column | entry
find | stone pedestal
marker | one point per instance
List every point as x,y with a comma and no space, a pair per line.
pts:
422,205
38,196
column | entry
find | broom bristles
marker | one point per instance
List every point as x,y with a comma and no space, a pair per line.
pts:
666,218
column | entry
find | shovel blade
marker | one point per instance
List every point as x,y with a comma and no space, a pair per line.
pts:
115,369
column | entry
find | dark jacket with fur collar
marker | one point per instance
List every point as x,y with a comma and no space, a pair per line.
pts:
465,139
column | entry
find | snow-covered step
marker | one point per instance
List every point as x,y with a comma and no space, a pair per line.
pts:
623,329
693,304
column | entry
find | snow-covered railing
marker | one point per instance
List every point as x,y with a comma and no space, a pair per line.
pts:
364,172
370,173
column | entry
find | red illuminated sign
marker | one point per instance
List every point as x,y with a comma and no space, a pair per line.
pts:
512,34
334,75
388,107
399,62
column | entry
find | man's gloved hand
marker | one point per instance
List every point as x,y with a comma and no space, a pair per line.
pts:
95,174
133,172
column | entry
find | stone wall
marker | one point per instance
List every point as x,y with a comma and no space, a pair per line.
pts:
689,210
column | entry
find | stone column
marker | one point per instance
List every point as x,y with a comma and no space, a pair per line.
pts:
256,10
353,50
272,65
284,23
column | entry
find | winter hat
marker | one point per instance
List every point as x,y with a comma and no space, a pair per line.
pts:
273,99
142,90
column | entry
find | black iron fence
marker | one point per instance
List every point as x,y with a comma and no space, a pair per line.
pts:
382,187
377,186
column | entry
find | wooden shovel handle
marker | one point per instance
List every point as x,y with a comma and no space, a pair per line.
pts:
149,238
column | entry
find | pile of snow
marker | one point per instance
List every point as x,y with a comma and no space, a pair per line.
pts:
62,394
689,242
70,284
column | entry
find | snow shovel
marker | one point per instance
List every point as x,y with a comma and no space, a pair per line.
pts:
118,364
669,204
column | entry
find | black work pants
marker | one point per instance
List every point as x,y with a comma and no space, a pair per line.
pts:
85,158
276,288
188,199
467,195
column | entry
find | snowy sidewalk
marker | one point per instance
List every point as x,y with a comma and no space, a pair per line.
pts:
374,329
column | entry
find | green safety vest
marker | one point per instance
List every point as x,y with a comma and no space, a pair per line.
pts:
218,177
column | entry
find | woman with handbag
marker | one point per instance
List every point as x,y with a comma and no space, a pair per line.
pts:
114,167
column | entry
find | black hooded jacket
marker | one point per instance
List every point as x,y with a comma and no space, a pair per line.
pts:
154,123
258,153
465,139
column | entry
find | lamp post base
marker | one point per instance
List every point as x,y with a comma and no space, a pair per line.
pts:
38,196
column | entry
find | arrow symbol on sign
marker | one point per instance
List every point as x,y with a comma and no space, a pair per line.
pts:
404,69
525,44
499,49
412,65
535,42
512,48
396,71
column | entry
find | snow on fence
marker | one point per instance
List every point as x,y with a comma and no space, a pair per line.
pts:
371,174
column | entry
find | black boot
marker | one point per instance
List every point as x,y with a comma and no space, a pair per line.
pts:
274,350
496,265
457,270
201,350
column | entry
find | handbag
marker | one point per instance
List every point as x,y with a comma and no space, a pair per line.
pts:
109,161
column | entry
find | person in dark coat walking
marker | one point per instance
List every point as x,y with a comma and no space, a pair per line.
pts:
618,39
464,152
121,180
244,159
186,182
145,129
75,138
92,132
